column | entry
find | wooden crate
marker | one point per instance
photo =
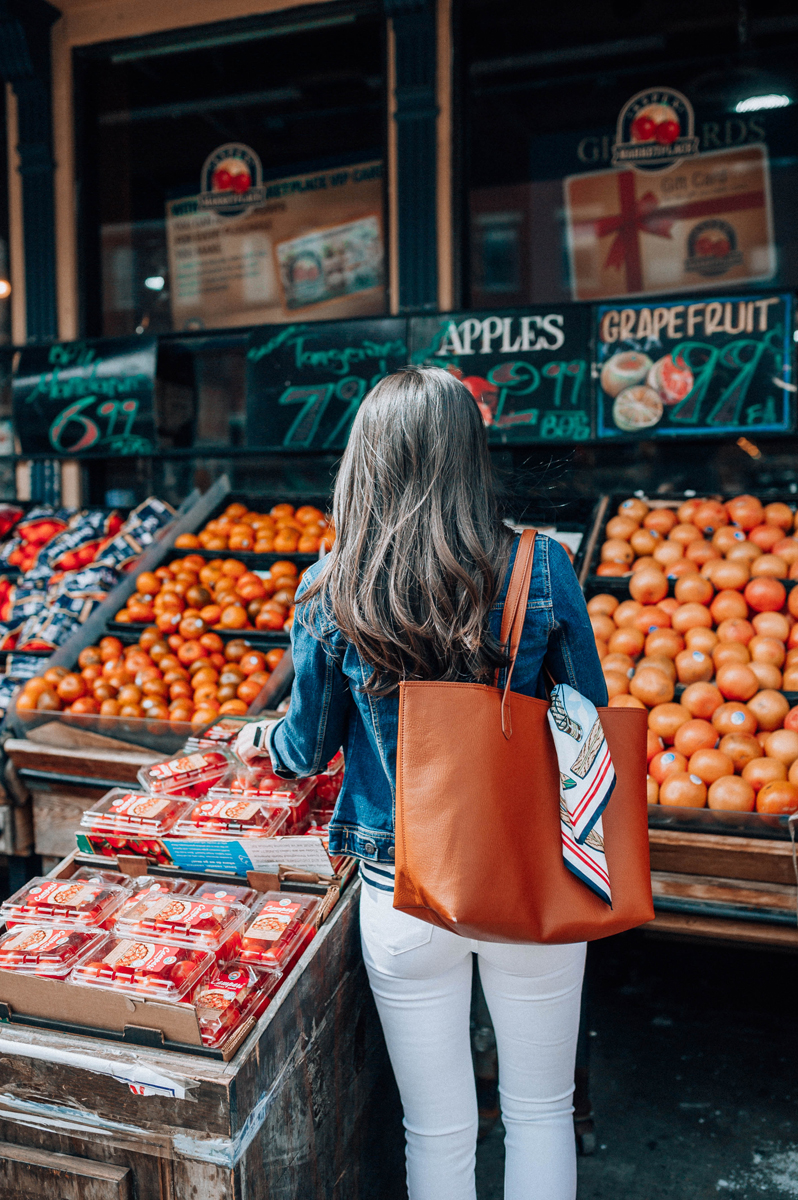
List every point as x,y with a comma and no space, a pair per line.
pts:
306,1110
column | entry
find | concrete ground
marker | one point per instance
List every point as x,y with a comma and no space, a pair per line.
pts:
693,1075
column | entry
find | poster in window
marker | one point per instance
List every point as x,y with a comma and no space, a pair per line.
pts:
705,223
244,251
667,218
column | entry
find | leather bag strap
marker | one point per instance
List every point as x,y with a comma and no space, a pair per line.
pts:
514,615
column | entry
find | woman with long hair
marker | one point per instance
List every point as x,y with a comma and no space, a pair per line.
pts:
413,589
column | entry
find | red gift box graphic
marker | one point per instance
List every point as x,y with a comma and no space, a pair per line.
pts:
647,216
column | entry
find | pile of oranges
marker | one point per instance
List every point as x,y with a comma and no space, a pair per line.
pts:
283,530
161,678
750,539
190,596
730,738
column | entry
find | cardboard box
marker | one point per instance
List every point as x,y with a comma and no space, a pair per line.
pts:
70,1008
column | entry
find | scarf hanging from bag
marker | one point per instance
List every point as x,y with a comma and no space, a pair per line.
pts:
587,778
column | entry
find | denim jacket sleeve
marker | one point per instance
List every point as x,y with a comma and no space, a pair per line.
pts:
572,656
315,727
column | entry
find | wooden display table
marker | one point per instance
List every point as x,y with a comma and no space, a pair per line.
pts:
307,1108
724,888
66,771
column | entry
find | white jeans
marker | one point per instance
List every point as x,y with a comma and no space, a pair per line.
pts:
421,979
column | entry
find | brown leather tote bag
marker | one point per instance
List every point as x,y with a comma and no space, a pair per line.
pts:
478,842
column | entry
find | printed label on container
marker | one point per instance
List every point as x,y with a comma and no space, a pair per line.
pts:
178,766
40,940
138,955
64,895
135,805
186,912
226,987
273,920
229,810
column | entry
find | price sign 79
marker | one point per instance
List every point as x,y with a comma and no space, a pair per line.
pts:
315,400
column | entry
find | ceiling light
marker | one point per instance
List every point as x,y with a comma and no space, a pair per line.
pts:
5,289
154,282
758,103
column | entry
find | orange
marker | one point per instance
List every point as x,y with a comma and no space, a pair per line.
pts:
234,616
273,657
733,793
286,541
779,796
709,764
239,708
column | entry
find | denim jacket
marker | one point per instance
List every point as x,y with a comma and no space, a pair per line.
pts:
329,711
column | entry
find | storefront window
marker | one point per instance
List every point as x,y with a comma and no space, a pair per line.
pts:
234,178
615,149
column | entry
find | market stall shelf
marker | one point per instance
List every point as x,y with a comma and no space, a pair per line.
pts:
306,1107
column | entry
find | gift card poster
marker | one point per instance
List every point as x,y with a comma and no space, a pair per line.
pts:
529,371
688,368
248,251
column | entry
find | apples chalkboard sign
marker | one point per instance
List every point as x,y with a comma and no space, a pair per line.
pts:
305,382
528,369
87,397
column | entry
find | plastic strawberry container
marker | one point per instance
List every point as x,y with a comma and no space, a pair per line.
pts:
330,782
261,783
153,969
192,775
280,930
126,822
46,949
93,873
227,893
223,733
231,994
151,887
184,920
231,814
68,903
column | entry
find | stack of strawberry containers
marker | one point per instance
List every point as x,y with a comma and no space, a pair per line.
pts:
220,947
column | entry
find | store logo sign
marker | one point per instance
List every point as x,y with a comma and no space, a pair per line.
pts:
712,248
655,131
231,180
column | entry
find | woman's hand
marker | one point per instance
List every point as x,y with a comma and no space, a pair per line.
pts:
252,743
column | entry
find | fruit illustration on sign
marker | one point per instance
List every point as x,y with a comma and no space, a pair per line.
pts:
231,175
656,122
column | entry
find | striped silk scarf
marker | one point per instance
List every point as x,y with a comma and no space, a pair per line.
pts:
587,778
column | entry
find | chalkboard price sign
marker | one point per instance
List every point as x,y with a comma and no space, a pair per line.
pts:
688,368
529,370
305,382
88,397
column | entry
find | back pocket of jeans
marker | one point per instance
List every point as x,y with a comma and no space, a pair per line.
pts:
389,927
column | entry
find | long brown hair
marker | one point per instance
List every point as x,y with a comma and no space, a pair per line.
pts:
420,551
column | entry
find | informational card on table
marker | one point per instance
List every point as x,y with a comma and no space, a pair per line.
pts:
686,368
250,854
528,370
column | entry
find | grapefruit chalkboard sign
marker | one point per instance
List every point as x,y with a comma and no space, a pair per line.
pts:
687,368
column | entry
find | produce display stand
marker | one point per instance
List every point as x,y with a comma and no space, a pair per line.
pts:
725,877
68,762
305,1107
